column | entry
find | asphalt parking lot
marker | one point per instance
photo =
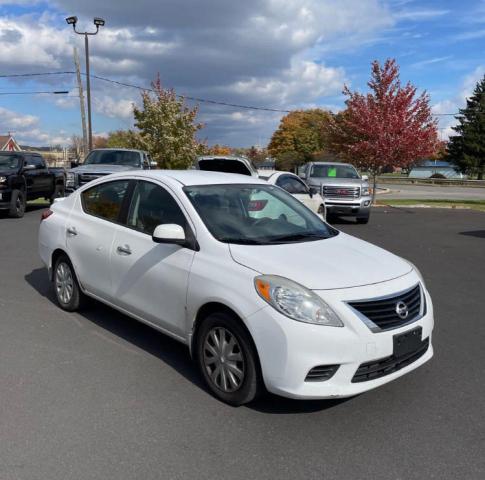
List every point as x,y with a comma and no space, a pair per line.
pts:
99,396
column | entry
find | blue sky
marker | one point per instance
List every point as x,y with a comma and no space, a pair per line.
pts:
283,54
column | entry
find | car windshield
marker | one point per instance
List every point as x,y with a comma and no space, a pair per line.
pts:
113,157
9,162
256,215
334,171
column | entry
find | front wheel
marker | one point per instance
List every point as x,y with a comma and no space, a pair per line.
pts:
228,360
363,220
17,204
68,294
321,211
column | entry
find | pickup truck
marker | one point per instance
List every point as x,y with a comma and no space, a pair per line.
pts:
25,176
345,192
103,161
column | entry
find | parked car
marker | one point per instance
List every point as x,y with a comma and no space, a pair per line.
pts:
285,302
346,193
286,180
25,176
227,164
297,187
104,161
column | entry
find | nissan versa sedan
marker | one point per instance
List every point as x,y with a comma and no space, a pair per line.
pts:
264,293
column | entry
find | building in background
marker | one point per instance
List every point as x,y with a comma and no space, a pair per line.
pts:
8,144
436,168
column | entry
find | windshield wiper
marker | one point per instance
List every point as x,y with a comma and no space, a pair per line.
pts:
241,241
298,236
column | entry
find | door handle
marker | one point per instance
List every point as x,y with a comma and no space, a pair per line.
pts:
72,231
124,249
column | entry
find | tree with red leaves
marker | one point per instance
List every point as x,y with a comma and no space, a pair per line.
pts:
390,126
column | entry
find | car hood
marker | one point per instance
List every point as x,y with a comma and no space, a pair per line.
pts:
344,182
7,173
106,169
337,262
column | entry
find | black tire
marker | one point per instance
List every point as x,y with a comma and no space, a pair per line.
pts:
17,204
363,220
76,298
58,193
251,383
321,211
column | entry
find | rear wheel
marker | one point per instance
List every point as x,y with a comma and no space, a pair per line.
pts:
58,193
17,204
69,295
227,359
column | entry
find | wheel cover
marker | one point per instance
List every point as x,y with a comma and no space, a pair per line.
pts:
223,360
19,203
64,283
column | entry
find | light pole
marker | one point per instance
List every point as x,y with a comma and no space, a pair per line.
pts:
98,22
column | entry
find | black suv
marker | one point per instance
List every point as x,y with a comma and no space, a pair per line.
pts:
25,176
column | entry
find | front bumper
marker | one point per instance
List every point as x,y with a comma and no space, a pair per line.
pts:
288,349
358,207
5,196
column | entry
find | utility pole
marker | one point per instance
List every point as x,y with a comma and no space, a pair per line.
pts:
81,101
98,22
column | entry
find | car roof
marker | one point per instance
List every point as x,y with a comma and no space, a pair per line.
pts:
117,149
331,163
192,177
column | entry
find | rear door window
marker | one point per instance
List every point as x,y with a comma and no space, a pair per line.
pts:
105,200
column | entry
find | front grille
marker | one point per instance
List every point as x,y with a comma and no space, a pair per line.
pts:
321,373
341,192
89,177
383,312
385,366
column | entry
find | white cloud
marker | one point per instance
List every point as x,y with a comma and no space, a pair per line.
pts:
113,108
445,107
25,129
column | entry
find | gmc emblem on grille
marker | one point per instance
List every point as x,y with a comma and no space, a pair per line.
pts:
340,191
402,310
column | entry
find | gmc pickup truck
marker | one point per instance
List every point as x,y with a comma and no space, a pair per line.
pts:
345,192
25,176
103,161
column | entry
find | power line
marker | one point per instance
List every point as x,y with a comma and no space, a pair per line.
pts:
130,85
195,99
57,92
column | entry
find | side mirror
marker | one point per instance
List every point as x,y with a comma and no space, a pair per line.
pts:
74,164
29,167
365,178
169,233
153,164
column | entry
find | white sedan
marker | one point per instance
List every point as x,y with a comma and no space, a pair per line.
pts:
298,188
278,300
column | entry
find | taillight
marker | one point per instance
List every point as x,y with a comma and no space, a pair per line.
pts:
46,214
257,205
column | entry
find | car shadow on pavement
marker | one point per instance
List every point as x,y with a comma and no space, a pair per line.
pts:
474,233
162,346
168,350
274,404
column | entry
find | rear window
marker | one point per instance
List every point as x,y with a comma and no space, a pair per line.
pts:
225,165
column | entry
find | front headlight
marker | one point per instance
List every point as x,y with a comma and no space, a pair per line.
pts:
70,179
3,179
295,301
365,191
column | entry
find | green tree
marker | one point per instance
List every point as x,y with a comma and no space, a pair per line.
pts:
124,139
300,135
467,149
167,127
